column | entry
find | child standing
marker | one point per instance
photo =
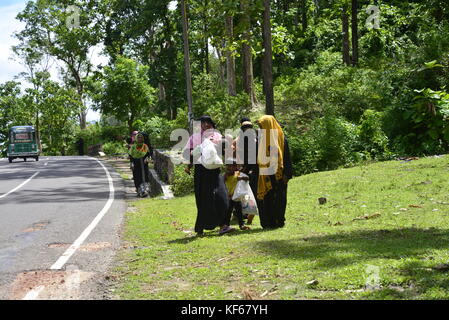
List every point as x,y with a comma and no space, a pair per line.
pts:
231,177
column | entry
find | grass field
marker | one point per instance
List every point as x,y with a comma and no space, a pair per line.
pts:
383,234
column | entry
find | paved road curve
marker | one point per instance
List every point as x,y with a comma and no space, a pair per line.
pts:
45,207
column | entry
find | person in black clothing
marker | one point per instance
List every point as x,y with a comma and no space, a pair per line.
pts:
139,154
80,145
272,186
246,153
211,196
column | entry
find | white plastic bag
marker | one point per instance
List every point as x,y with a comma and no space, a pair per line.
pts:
209,155
244,194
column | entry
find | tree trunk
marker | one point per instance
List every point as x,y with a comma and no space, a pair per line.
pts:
185,36
355,35
38,133
267,60
169,83
304,21
345,33
247,54
230,60
206,40
221,67
130,123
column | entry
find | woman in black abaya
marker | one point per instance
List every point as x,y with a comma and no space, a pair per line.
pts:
210,191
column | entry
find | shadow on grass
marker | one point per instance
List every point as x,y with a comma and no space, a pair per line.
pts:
215,234
326,252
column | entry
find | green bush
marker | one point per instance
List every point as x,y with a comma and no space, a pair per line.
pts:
182,182
114,133
111,148
212,99
328,143
372,138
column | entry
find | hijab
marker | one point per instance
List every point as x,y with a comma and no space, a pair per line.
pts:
268,123
138,150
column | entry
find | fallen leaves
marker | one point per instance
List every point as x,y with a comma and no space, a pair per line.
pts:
367,217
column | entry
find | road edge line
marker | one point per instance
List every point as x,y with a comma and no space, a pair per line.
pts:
78,242
34,293
19,186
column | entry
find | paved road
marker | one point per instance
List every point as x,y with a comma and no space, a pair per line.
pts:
45,207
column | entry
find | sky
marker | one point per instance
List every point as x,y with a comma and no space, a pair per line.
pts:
9,68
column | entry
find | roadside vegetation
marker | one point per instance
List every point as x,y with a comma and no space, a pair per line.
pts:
390,216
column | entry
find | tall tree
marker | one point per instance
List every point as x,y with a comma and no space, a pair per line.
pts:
345,33
185,36
230,60
37,65
355,33
127,93
247,53
304,8
68,34
267,59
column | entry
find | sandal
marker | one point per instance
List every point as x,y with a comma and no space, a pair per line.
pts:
226,230
245,228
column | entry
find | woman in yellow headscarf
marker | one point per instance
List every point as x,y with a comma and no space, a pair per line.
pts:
139,154
275,170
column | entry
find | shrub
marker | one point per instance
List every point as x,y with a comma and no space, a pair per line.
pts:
182,182
328,143
372,137
111,148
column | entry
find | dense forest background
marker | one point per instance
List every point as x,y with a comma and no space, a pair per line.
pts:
349,83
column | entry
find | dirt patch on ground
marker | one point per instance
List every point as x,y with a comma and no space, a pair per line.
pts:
85,248
51,285
95,246
36,226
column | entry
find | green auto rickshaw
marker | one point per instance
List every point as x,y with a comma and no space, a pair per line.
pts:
22,143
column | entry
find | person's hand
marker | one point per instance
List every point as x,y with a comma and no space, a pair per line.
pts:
285,179
187,170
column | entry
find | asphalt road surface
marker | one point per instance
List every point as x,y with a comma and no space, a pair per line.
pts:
60,220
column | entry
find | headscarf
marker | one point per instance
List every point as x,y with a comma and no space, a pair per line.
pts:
137,150
268,123
134,136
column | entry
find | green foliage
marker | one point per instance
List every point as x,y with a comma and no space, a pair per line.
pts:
113,148
329,142
114,133
182,182
372,138
212,99
127,93
429,119
159,130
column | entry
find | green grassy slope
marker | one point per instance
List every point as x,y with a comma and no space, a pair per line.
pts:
385,224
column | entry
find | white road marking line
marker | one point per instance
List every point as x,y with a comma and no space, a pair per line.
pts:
33,294
20,186
45,163
78,242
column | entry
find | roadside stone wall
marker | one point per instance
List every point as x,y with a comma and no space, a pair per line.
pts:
163,166
94,150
